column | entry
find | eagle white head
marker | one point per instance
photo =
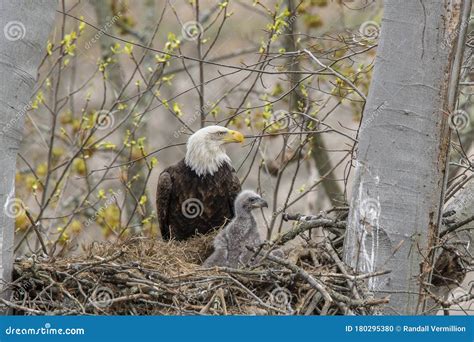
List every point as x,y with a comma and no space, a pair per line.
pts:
205,149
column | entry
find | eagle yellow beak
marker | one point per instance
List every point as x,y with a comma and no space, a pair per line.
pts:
233,136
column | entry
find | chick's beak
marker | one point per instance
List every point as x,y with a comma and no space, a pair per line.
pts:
261,203
233,136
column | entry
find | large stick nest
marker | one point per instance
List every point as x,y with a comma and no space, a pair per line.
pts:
151,277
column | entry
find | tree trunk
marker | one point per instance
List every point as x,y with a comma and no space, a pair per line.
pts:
25,27
400,172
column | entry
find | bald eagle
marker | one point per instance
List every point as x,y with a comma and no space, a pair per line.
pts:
197,194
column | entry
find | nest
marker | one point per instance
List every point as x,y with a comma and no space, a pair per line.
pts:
151,277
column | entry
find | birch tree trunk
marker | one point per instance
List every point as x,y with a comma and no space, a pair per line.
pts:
403,146
25,27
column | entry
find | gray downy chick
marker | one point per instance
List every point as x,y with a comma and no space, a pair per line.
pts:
230,245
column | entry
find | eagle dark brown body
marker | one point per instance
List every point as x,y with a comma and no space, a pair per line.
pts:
188,204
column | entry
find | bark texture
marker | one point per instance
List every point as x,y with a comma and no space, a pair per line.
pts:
25,27
400,172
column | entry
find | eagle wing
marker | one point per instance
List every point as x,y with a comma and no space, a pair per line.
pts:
163,193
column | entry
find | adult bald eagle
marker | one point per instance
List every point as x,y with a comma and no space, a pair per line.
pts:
197,194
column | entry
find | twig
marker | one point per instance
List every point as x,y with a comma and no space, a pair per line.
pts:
317,285
307,225
452,228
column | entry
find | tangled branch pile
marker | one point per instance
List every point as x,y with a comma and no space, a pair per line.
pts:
151,277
